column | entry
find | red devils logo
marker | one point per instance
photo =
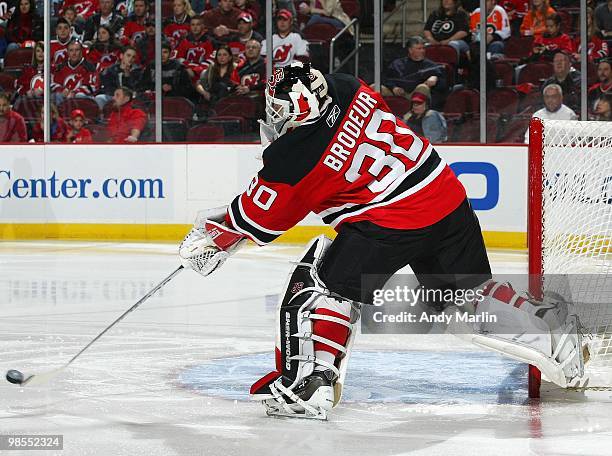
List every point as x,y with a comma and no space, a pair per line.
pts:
282,54
108,58
72,82
60,56
249,80
192,55
37,83
178,34
137,36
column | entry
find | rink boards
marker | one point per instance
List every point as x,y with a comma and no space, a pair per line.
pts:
153,191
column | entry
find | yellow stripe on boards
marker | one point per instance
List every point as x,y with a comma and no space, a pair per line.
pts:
176,232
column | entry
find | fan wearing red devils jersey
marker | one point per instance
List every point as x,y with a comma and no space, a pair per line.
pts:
195,50
59,46
76,77
134,28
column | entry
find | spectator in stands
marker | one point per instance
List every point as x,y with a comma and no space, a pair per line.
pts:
74,78
498,28
59,128
24,25
534,22
598,47
406,73
603,108
12,125
175,80
250,7
146,44
449,25
568,78
59,46
222,21
76,27
134,28
105,50
603,19
195,50
126,123
546,45
553,109
251,71
245,33
106,16
216,82
178,26
84,8
77,133
287,46
325,12
424,121
604,82
31,80
124,74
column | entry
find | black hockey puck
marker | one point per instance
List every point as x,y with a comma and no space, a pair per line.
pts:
14,376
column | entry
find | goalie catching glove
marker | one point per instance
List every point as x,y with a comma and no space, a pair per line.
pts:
210,242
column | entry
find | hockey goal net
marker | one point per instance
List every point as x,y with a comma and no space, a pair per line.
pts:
570,230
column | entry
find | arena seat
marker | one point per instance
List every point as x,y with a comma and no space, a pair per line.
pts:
319,33
177,108
14,61
442,53
535,73
462,101
7,82
502,100
29,107
505,72
241,106
352,8
518,47
205,133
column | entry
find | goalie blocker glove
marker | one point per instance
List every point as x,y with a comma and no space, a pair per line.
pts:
206,247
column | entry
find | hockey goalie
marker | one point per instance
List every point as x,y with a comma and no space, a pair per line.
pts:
333,147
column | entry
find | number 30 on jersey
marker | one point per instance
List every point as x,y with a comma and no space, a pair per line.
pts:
264,196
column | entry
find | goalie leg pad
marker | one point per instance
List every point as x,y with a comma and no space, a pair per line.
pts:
315,331
542,334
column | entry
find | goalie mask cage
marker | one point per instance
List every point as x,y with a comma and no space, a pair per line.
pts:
570,231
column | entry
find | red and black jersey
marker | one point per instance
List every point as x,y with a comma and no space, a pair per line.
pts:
59,52
104,56
133,30
81,78
560,42
251,74
175,30
194,51
356,162
84,8
31,78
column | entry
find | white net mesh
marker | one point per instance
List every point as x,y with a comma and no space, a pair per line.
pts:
577,229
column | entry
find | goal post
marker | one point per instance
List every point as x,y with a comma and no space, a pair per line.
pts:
569,229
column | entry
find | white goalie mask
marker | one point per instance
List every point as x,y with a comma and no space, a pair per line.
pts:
295,95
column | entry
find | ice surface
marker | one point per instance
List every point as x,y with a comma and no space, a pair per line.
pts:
172,378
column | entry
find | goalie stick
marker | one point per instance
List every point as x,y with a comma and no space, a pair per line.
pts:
16,377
